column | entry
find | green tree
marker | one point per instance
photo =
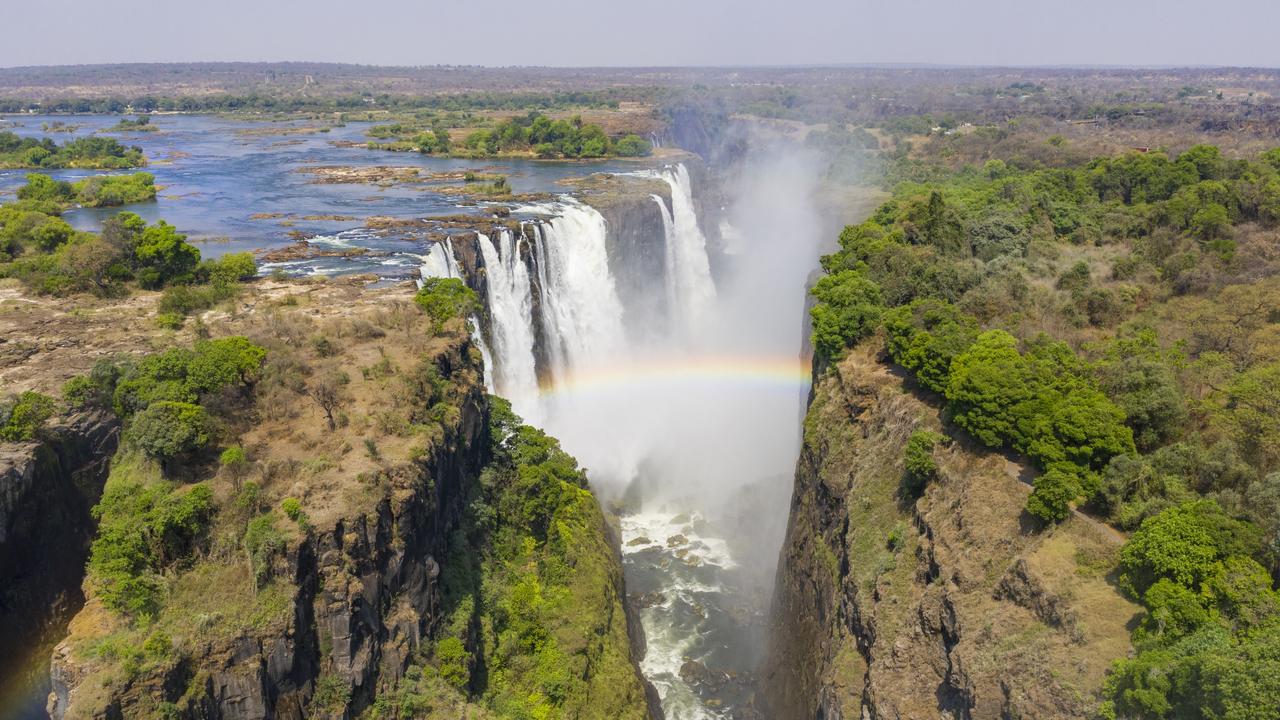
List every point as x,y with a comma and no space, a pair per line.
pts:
163,256
21,417
988,383
445,298
166,430
848,309
1054,492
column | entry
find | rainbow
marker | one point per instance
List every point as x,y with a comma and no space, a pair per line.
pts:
786,374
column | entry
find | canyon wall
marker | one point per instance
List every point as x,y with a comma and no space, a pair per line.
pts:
46,490
955,605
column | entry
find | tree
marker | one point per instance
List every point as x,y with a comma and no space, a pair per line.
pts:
166,430
1054,491
163,256
445,298
43,187
1253,410
848,309
1184,545
327,392
21,417
223,362
988,382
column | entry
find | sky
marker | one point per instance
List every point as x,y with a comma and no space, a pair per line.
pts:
645,32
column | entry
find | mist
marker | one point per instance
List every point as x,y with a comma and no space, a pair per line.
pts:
722,443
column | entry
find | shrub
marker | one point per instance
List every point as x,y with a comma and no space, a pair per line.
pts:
262,541
292,508
454,662
920,466
21,417
445,298
1054,491
848,309
230,268
166,429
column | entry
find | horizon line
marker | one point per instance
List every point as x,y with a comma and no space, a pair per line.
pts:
872,65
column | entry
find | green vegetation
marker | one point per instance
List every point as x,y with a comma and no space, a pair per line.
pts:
522,587
920,466
138,124
22,416
147,523
98,191
537,134
1113,321
88,152
444,299
40,248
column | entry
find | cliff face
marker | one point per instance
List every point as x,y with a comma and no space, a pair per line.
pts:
956,605
354,597
46,491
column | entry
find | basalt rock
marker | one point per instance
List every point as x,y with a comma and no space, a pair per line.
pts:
974,610
46,490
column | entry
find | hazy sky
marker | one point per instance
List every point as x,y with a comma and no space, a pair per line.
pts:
645,32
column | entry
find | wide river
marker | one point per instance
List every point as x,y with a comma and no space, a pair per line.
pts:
217,174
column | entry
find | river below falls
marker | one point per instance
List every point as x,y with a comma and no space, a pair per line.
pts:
704,627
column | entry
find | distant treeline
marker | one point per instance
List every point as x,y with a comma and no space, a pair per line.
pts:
606,98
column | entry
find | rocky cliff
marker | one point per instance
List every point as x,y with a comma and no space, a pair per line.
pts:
955,605
337,607
46,491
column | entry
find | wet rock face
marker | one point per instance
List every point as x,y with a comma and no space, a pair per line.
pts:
46,491
955,605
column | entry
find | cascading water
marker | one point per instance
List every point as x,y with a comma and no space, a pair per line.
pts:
691,293
511,311
698,422
581,313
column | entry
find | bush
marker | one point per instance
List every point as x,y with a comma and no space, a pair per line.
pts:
166,430
632,146
21,417
848,309
454,662
445,298
230,268
141,531
920,466
1054,492
262,542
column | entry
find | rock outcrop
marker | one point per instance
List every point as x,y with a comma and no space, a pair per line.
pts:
46,490
955,605
354,596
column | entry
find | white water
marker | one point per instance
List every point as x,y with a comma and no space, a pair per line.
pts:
581,313
721,444
511,312
691,293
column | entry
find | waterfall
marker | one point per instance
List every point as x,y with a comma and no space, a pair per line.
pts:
440,262
691,290
511,312
581,313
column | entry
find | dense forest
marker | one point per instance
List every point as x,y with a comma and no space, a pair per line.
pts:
1112,321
